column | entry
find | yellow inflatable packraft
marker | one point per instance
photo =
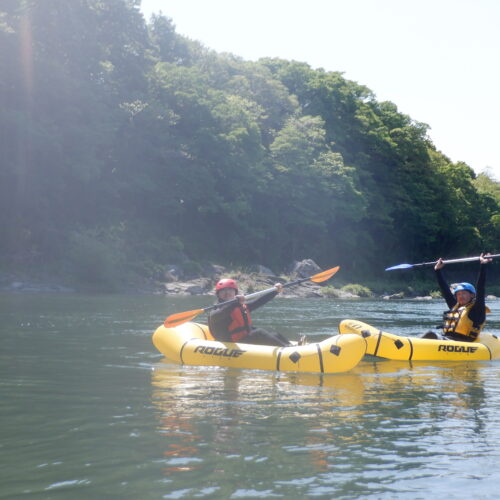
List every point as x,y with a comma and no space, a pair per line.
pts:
192,344
390,346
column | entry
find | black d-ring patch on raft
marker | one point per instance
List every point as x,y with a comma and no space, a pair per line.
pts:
335,349
398,344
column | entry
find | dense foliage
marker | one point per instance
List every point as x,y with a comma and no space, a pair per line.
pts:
128,147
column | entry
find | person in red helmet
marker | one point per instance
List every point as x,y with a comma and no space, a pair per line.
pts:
467,314
233,323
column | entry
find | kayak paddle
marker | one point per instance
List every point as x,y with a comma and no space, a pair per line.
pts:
451,261
183,317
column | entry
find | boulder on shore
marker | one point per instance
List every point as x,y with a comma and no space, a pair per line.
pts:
259,278
305,268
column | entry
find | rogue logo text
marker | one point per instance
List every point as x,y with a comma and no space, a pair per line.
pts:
219,351
457,348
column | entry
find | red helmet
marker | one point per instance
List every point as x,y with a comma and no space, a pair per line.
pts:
226,283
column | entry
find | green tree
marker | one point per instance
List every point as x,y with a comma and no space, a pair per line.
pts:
125,141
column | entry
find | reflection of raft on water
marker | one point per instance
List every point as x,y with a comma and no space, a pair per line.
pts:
388,345
192,344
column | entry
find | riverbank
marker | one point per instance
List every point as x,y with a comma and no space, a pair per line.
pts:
176,282
248,282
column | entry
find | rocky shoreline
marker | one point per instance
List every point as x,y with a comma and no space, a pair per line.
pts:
176,282
248,283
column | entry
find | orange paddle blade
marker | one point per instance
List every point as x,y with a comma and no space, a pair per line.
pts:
179,318
323,276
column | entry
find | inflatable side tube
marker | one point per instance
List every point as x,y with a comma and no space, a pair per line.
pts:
390,346
186,344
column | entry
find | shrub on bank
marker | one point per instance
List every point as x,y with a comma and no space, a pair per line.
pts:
330,292
346,291
357,289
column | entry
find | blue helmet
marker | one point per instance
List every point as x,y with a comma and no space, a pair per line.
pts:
464,286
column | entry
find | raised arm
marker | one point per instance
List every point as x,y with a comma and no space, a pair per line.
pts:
443,286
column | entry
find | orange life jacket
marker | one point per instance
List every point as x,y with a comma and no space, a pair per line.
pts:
239,328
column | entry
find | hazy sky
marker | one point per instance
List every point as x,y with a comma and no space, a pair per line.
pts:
437,60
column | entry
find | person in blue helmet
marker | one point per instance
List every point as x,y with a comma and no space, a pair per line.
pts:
467,311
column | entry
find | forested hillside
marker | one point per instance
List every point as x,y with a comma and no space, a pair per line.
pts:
126,147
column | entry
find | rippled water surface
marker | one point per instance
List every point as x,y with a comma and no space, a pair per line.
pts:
89,409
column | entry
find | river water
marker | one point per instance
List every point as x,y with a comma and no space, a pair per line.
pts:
89,409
